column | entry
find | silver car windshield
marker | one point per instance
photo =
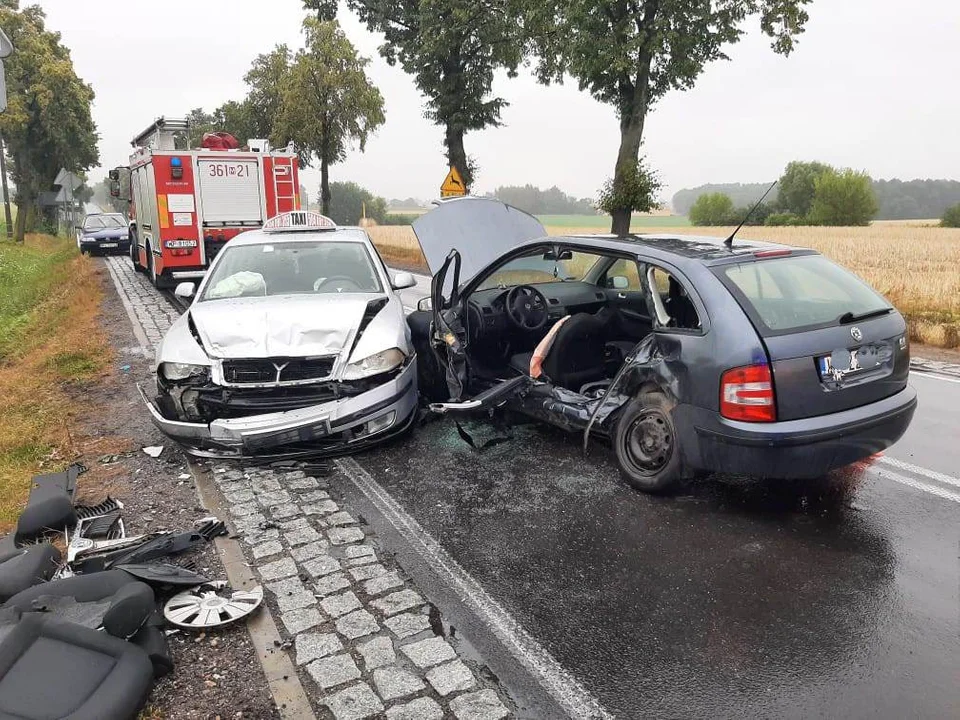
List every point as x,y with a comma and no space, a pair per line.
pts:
292,268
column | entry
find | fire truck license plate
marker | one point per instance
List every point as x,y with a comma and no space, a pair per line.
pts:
228,170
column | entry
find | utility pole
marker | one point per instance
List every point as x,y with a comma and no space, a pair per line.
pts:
5,49
6,191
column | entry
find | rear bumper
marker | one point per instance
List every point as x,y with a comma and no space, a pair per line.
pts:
334,427
800,449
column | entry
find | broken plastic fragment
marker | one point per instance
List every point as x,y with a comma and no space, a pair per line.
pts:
154,450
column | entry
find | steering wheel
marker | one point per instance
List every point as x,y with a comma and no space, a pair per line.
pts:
526,307
353,285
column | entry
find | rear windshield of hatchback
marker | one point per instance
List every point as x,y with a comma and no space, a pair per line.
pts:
801,292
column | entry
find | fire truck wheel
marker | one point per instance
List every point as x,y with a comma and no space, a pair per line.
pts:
150,270
135,252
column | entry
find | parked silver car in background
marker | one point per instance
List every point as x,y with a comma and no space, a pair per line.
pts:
295,343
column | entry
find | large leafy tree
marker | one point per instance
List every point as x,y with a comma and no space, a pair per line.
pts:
266,79
452,49
796,187
327,102
630,53
324,9
47,124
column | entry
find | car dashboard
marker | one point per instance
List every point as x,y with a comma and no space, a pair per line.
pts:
487,313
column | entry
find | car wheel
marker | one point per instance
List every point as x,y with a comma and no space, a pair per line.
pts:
647,445
134,254
150,270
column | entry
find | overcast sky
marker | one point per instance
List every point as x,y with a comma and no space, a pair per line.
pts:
872,85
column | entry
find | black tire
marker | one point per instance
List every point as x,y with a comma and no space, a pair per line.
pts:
151,273
647,445
134,252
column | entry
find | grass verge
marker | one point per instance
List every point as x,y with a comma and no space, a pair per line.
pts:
51,344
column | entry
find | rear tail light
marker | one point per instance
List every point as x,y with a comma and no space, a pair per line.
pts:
746,393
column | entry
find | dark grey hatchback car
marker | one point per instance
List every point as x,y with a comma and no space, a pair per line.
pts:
689,355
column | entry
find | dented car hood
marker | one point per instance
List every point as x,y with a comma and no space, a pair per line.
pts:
481,229
282,326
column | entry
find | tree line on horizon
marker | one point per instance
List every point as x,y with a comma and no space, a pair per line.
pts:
918,199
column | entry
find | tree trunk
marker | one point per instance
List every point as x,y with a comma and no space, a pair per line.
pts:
325,170
631,135
324,187
20,228
457,156
633,102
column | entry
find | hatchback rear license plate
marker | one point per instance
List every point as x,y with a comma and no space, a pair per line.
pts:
844,362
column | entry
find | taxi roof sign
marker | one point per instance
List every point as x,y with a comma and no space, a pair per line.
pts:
299,221
453,184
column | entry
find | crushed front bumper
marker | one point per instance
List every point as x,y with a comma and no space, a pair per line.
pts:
335,427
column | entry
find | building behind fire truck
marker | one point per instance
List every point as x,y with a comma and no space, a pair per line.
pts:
185,205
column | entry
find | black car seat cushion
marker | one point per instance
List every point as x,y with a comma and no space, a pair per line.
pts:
577,354
153,642
130,601
48,510
25,567
53,669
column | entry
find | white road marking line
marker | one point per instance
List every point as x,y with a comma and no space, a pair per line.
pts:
916,469
935,377
910,482
558,682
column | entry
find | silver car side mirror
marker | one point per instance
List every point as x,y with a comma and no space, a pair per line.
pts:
425,304
619,282
184,290
403,280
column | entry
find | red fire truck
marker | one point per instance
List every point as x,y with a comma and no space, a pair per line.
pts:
185,205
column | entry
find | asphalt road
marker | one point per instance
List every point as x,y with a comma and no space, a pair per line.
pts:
746,598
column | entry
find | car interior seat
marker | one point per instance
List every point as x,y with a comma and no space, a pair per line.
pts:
577,356
55,669
680,307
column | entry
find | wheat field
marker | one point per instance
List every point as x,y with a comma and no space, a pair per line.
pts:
916,266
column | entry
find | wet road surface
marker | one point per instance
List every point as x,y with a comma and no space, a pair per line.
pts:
734,598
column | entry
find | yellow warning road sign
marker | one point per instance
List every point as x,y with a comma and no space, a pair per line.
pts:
452,184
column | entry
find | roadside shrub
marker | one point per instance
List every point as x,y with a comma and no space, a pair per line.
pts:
843,198
712,209
398,219
951,218
758,217
784,219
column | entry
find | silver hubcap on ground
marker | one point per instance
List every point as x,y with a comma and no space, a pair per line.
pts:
204,608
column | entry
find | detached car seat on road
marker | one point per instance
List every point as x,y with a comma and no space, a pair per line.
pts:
53,669
25,567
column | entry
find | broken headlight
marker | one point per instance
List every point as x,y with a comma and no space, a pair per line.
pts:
381,362
183,371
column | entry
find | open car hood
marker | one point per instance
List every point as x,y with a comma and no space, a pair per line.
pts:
481,229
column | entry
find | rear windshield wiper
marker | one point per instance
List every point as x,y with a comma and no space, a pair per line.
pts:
849,317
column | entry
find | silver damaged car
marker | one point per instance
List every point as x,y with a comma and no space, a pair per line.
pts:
294,343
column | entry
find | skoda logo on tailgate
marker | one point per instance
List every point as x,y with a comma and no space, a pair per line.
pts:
856,333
